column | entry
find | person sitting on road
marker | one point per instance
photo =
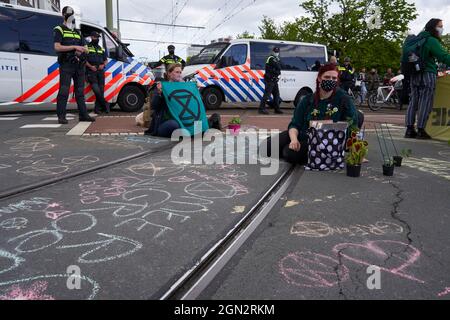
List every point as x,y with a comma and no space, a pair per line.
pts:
293,146
163,124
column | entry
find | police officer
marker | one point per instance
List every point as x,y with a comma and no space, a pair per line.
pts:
71,50
171,58
96,62
271,78
346,75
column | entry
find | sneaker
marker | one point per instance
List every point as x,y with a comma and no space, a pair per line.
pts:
87,119
278,111
63,121
421,134
263,111
411,133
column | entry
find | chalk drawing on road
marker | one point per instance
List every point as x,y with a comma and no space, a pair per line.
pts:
37,240
313,229
4,166
82,226
15,261
436,167
79,160
211,190
94,286
150,169
43,170
36,291
14,223
30,144
399,255
312,270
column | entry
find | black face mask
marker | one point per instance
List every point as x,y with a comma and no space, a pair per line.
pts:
95,41
328,85
172,52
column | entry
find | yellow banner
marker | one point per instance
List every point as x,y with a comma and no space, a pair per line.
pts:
438,126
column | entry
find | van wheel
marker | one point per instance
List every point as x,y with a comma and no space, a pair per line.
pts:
131,99
212,98
300,95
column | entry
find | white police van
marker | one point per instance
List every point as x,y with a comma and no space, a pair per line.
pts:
234,71
29,72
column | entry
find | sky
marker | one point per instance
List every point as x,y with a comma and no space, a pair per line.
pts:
220,19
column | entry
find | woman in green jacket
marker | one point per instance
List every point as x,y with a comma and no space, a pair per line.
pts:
423,84
328,102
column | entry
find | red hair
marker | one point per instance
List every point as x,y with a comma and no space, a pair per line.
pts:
325,68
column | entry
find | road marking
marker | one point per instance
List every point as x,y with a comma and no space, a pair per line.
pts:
79,129
8,119
34,126
56,119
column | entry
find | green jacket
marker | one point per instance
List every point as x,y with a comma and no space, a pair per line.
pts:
303,113
434,52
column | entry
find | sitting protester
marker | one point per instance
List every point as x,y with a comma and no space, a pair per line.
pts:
328,102
163,124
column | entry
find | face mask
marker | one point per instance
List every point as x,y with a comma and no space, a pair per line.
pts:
440,31
71,22
328,85
172,52
95,41
276,54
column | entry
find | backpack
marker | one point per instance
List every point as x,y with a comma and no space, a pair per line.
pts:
412,54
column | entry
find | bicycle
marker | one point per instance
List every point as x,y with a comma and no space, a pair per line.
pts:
378,99
356,96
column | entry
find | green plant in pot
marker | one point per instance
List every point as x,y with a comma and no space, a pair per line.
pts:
405,153
357,151
388,167
235,125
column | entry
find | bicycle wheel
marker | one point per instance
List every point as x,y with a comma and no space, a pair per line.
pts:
374,104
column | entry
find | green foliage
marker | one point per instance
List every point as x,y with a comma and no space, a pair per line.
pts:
357,150
236,120
346,30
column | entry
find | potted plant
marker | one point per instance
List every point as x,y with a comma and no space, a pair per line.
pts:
356,152
388,167
235,125
405,153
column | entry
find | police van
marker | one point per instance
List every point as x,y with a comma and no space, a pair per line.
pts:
29,72
234,71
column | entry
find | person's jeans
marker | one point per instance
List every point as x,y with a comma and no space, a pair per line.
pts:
166,128
363,92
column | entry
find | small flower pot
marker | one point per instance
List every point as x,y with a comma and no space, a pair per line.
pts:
234,128
388,171
353,171
398,161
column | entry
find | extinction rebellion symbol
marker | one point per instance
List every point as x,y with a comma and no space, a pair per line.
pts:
190,106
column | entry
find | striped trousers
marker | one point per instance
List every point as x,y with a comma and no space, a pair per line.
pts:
421,101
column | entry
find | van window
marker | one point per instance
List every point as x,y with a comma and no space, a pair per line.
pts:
9,40
36,33
293,57
259,51
300,57
110,47
235,55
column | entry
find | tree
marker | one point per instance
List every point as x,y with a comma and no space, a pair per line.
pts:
446,41
246,35
347,30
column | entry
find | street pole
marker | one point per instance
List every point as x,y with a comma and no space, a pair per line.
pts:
109,14
118,16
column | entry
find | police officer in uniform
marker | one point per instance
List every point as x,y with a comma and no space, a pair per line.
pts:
96,63
271,78
171,58
346,75
71,50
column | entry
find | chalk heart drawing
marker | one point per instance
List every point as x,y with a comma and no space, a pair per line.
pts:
312,270
149,169
211,190
397,254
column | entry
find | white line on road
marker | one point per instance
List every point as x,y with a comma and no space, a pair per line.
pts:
56,118
79,129
35,126
8,119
